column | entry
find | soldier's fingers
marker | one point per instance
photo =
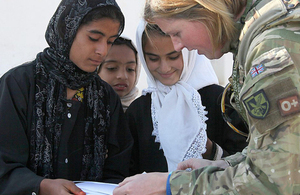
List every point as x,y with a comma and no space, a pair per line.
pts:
185,165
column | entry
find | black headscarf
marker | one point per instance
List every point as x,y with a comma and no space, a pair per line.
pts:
54,74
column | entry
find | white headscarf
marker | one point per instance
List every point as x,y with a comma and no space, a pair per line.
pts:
177,113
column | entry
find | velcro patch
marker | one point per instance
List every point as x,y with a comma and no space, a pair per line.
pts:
257,105
280,96
289,105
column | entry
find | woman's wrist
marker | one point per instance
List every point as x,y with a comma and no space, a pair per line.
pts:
213,151
209,149
218,152
168,187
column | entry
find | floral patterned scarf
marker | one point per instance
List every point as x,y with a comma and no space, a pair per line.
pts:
54,74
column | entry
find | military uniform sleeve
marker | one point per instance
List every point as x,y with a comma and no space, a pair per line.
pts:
236,158
15,177
270,96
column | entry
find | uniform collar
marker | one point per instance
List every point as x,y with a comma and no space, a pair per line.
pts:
249,6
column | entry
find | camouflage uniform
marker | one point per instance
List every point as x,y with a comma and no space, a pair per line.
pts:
266,85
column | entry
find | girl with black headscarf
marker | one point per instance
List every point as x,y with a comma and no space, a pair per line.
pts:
58,119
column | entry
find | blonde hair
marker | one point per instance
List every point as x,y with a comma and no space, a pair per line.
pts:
217,15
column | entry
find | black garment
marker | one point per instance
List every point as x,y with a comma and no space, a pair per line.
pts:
90,143
54,73
146,155
17,95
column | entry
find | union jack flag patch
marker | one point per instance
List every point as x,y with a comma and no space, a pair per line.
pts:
257,70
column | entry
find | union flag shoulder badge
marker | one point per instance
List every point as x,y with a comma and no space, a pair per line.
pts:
256,70
257,105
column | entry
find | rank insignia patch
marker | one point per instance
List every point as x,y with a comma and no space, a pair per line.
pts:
289,105
257,70
257,105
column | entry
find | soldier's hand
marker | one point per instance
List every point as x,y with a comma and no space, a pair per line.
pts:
146,184
199,163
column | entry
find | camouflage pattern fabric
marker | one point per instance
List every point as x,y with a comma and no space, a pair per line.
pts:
268,61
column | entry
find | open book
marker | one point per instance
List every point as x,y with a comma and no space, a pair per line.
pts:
96,188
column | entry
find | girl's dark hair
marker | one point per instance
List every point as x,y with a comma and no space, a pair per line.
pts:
123,41
127,42
109,11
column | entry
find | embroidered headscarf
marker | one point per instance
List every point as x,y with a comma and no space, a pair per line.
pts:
55,73
178,115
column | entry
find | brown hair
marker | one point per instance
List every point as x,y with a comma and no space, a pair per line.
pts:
217,15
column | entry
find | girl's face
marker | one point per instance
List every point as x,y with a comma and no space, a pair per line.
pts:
163,62
119,69
190,34
92,42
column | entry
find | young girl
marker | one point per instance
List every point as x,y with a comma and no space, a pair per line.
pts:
59,121
179,110
121,70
